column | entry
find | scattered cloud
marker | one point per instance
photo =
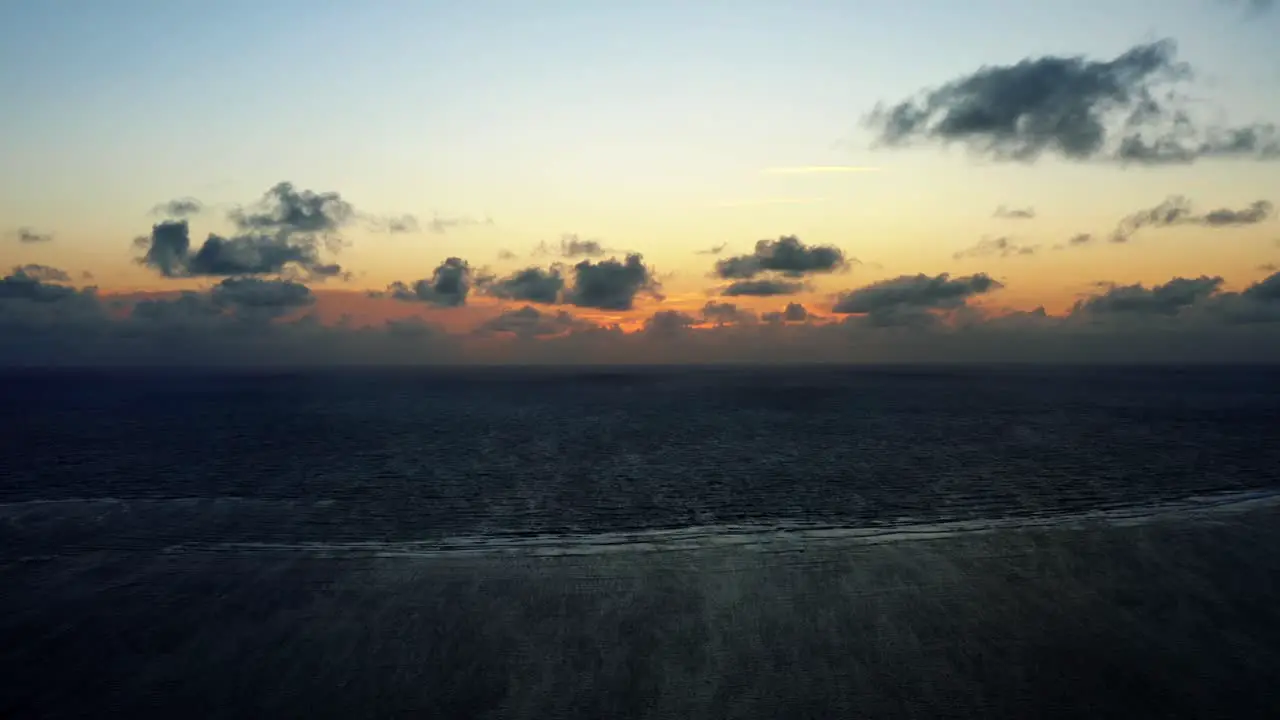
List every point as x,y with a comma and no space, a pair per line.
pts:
178,208
713,250
723,313
1124,110
43,273
762,288
572,246
793,312
611,284
787,256
669,322
1166,299
529,322
532,284
287,212
30,236
910,299
448,285
1268,267
1014,213
1002,246
507,255
1177,210
265,321
282,233
440,225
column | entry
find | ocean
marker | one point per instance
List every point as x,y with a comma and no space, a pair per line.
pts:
740,542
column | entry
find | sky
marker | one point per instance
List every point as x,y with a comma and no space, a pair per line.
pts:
573,181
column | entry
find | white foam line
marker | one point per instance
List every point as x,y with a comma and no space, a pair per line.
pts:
768,537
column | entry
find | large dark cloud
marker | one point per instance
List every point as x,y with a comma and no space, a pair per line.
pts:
1125,110
282,233
448,285
909,299
1177,210
762,288
612,284
532,284
168,251
30,236
786,256
1002,246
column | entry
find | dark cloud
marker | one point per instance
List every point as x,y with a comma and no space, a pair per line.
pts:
282,233
30,236
239,323
529,322
909,299
713,250
996,247
1268,267
1166,299
1176,210
787,256
532,284
448,285
1009,213
610,284
1080,239
178,208
762,288
286,211
1122,110
272,296
721,313
793,312
43,273
168,251
35,285
667,322
507,255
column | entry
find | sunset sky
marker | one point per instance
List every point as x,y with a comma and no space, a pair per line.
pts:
913,168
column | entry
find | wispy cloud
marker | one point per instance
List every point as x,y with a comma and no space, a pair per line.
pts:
819,169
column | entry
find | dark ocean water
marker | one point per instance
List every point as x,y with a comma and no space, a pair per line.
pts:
785,542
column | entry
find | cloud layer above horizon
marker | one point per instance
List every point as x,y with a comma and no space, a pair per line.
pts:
270,278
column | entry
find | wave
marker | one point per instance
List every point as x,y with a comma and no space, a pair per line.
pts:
782,536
